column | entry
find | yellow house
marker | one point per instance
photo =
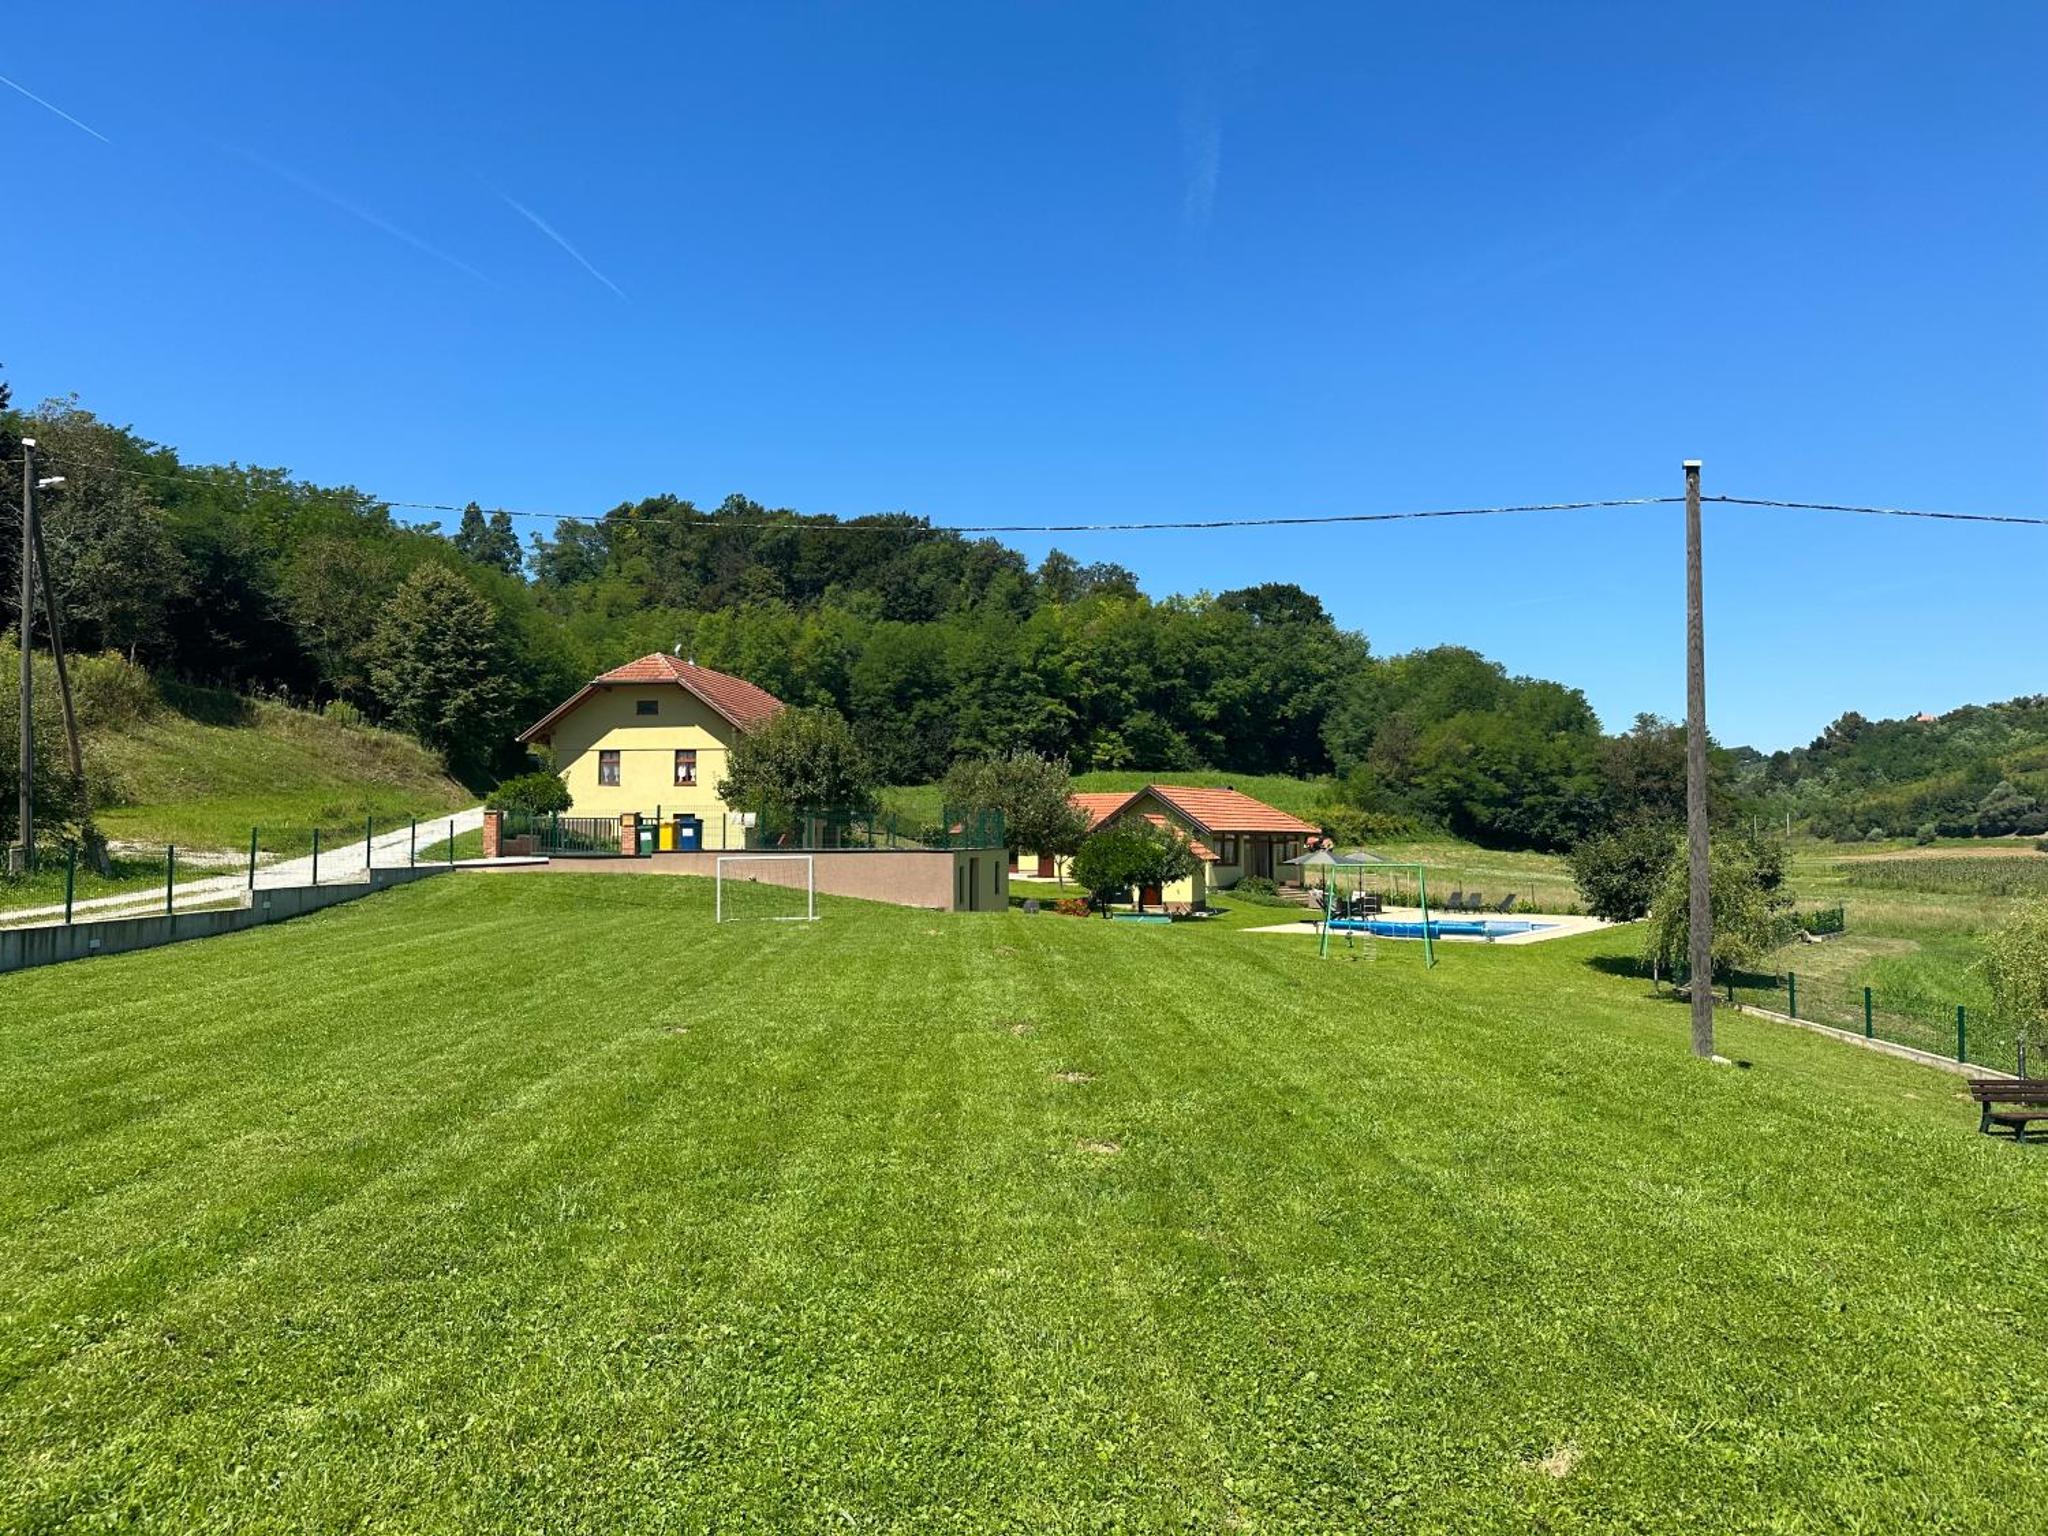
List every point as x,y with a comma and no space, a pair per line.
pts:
652,737
1232,836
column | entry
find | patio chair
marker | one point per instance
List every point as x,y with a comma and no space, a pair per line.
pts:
1507,903
1455,902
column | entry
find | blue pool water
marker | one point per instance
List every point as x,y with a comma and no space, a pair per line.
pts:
1439,927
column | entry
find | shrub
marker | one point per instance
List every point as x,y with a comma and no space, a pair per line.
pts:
1924,834
1747,913
1618,873
1131,853
800,761
2016,964
108,690
341,712
1071,906
536,793
1874,835
1255,885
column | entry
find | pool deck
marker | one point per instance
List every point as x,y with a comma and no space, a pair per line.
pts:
1554,927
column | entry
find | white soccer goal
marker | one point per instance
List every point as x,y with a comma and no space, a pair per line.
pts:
780,887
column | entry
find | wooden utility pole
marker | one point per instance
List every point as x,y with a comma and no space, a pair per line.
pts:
95,845
25,835
1700,924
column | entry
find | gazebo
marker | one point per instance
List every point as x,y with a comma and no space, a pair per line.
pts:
1332,866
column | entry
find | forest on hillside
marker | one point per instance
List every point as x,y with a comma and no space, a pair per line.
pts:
1978,771
934,645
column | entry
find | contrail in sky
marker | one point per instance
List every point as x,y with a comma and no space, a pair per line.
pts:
548,229
74,122
375,221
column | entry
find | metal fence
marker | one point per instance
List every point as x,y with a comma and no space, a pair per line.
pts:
1953,1030
563,836
824,830
66,882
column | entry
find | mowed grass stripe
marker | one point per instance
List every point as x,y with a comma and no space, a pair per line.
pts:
472,1240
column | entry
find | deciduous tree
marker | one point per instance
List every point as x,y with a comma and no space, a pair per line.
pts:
440,667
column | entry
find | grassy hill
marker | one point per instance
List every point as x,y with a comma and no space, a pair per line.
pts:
982,1222
199,768
205,767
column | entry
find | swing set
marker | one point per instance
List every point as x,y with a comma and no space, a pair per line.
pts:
1342,908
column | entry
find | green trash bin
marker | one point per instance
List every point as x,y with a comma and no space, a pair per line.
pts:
648,833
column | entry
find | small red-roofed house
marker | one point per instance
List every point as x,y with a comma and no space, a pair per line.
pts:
1232,835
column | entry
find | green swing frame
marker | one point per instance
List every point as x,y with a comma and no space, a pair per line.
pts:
1357,867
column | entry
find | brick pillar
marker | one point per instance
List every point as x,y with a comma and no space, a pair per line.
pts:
494,833
629,834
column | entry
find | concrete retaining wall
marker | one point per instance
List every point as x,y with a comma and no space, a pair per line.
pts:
1883,1047
21,948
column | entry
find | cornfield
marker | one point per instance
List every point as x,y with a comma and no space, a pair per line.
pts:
2020,875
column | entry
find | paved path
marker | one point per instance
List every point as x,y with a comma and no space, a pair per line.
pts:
338,865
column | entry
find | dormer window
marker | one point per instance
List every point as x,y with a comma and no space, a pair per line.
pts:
647,706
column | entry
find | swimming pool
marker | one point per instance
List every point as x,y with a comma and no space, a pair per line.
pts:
1439,927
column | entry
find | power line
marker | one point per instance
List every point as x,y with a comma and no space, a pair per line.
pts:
906,523
901,522
1831,506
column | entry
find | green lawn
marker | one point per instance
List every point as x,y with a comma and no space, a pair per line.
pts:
510,1203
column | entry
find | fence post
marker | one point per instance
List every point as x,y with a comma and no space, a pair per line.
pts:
170,873
1791,995
1869,1024
412,844
316,855
451,842
1962,1035
71,883
369,832
252,858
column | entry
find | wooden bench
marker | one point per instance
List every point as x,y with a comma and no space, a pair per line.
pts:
2030,1095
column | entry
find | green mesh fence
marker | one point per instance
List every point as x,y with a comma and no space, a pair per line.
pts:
824,830
1952,1030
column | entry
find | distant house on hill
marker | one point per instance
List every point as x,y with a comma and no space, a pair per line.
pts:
1232,835
652,737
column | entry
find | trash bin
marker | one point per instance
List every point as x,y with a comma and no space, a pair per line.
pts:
647,835
689,834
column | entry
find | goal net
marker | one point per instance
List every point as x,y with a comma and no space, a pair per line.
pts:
777,887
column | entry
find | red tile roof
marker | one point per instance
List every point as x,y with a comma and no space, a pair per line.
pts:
1099,805
1211,810
738,700
1228,810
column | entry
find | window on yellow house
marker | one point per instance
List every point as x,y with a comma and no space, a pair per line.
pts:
686,766
607,766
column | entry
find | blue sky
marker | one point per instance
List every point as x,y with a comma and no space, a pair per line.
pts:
1063,262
